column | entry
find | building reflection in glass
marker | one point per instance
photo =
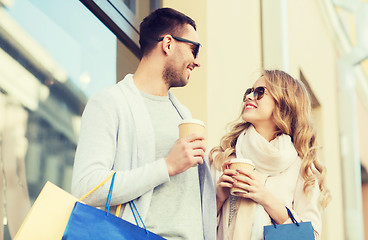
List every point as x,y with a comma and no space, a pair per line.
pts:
53,56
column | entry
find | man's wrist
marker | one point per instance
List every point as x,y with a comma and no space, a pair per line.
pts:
169,170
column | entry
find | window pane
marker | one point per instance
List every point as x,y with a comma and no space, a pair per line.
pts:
73,37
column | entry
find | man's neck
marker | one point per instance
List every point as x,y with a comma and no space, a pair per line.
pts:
148,78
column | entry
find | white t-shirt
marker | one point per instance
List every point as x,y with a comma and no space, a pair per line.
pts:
175,209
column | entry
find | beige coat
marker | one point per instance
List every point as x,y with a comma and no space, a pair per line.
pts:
288,187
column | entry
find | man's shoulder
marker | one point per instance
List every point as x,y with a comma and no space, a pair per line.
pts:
107,94
115,98
116,91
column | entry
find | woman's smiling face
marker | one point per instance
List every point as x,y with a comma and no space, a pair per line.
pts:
259,112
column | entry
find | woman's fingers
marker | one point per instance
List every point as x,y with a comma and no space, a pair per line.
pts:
243,178
249,173
226,165
230,172
226,178
226,184
243,186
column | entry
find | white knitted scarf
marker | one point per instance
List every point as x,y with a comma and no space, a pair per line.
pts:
270,158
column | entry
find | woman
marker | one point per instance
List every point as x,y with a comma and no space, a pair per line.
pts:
277,134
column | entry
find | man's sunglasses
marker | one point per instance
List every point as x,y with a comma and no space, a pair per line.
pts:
196,45
258,93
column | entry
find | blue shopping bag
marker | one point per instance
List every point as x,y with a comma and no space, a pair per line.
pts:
292,231
87,222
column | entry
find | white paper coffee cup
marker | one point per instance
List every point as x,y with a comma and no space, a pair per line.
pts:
244,164
190,126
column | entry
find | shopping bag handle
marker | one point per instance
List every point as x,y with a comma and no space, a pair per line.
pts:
108,201
98,186
291,217
131,204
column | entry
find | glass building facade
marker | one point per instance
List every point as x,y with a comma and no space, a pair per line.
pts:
54,55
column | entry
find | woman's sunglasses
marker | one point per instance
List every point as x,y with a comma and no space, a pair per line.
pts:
195,45
258,93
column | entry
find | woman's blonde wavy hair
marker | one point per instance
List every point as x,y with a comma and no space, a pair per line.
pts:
292,116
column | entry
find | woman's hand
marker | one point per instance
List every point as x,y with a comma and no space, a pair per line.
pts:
253,183
224,184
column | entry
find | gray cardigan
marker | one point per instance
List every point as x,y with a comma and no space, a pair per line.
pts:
117,135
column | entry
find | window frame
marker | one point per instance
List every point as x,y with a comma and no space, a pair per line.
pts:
120,20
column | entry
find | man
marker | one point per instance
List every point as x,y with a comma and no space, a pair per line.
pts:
132,128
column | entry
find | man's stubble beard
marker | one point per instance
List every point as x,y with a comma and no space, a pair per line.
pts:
173,77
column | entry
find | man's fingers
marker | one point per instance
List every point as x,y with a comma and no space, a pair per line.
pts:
198,160
198,144
199,153
193,137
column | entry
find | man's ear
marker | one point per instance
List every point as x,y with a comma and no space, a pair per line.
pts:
167,45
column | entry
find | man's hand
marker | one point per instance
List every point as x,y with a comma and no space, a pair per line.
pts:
185,153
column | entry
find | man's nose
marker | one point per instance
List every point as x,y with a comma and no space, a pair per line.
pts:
197,62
